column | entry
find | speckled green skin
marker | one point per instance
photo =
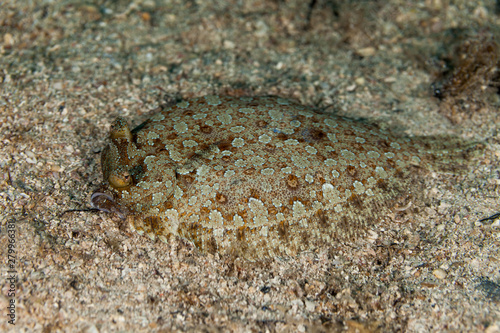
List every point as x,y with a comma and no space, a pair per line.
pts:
257,177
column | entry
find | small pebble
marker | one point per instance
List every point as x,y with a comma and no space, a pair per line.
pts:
439,273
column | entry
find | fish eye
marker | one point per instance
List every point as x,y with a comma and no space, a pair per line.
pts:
120,179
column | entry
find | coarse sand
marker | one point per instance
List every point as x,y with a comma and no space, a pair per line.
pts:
69,68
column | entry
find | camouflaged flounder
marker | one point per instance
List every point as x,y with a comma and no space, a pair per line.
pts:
257,177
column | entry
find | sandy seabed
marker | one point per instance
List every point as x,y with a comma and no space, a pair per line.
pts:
68,68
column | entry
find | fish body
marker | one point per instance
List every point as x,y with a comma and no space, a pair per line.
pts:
259,176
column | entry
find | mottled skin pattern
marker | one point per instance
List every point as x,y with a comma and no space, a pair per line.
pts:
257,177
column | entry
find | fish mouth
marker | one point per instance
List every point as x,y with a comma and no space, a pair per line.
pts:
105,202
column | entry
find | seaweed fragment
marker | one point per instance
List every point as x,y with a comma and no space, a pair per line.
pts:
490,218
473,72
